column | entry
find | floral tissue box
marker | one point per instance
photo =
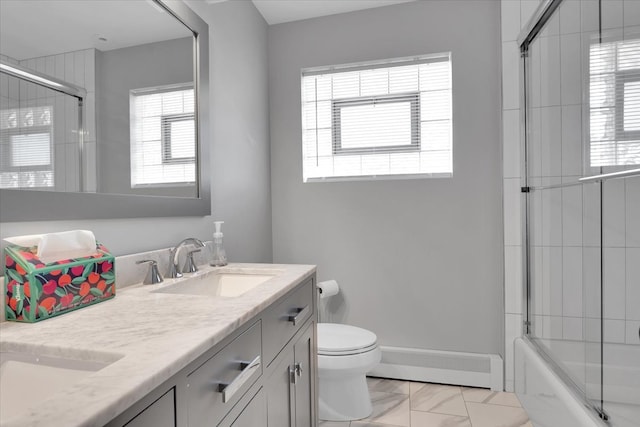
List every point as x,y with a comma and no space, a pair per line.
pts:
35,291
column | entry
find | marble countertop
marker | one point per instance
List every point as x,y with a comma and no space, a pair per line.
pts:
148,336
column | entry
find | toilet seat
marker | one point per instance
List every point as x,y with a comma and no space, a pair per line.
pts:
344,340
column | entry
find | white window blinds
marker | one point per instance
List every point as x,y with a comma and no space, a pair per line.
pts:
26,146
378,120
614,98
163,143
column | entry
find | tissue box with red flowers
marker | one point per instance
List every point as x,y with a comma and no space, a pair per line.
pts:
35,290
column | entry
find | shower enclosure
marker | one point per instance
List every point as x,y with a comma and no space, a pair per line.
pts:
41,130
580,70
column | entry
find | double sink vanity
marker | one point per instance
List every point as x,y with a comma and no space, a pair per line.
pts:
227,346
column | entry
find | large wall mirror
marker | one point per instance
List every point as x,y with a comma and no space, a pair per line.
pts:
103,110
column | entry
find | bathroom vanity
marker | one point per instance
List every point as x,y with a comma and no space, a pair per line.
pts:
187,352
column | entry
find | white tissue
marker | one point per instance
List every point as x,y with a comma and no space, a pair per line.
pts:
58,246
328,288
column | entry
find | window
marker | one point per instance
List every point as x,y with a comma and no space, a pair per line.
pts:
381,119
26,159
163,136
614,70
178,136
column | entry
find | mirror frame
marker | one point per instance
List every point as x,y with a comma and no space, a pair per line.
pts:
34,205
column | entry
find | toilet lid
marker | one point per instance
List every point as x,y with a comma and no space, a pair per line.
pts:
334,338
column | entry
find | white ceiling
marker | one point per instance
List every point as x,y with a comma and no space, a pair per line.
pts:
35,28
279,11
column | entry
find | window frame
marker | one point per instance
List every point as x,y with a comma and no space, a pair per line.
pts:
6,164
336,133
165,157
621,78
165,137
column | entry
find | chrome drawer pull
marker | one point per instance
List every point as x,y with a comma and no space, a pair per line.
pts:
228,390
302,313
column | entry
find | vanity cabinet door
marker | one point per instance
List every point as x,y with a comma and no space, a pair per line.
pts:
160,413
279,388
304,387
254,414
291,387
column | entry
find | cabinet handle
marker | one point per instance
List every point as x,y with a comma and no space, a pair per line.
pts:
248,368
292,375
300,315
298,369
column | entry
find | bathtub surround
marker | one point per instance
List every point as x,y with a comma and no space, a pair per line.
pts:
240,158
419,261
514,16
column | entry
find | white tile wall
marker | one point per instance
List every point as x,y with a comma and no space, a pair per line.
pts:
614,331
527,7
513,330
632,332
511,152
632,282
552,327
572,282
572,140
631,9
510,20
512,212
613,206
551,213
552,281
614,288
570,70
572,328
549,70
570,17
510,76
513,279
632,209
572,215
612,14
551,141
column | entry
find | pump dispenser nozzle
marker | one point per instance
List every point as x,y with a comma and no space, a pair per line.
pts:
219,257
218,225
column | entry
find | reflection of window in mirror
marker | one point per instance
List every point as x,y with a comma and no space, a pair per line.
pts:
614,70
26,159
162,136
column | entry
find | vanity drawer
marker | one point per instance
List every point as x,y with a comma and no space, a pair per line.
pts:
281,322
217,385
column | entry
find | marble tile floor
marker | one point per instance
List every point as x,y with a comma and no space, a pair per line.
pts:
412,404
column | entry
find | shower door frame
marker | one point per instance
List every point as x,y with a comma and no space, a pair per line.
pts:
540,17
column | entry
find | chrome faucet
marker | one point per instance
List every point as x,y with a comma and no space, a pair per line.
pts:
174,270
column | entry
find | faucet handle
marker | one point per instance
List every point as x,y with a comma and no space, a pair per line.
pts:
153,276
190,265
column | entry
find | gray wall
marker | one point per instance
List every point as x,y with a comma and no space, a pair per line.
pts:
120,71
240,158
419,261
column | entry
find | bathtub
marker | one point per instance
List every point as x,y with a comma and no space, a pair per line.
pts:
546,398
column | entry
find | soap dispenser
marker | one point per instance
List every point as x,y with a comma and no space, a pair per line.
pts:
219,255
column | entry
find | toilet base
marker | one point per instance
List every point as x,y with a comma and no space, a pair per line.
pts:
344,399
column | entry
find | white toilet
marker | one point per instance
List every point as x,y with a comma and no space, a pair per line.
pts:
345,354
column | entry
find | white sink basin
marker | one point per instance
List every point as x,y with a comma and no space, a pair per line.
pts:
27,377
219,284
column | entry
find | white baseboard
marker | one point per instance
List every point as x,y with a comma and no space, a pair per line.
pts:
446,367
